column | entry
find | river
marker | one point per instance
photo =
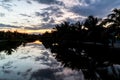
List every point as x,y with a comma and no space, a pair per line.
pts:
34,62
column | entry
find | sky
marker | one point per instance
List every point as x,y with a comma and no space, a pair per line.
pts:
35,15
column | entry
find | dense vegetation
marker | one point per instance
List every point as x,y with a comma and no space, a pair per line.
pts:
9,41
16,36
87,45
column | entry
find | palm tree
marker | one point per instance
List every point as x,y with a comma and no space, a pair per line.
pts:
75,53
95,30
113,24
91,22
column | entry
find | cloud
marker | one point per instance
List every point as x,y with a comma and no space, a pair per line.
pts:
2,14
45,16
94,7
25,15
45,1
15,22
48,14
88,2
51,20
6,0
8,25
44,74
57,74
6,4
37,14
49,11
48,25
48,2
29,2
41,26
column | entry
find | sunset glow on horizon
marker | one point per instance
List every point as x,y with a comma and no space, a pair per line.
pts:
40,31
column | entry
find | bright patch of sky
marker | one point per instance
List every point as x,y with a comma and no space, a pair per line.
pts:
42,14
22,14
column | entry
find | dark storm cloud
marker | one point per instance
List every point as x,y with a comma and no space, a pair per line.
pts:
25,15
95,7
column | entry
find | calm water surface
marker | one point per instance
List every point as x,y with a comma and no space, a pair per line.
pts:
34,62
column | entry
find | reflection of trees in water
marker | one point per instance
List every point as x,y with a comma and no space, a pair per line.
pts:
9,41
88,46
9,46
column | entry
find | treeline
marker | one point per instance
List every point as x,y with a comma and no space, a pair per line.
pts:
16,36
93,29
9,41
87,45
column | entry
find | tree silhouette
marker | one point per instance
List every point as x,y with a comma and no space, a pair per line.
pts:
9,41
9,46
113,21
84,45
95,32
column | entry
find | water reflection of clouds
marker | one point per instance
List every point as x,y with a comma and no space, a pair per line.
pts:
56,74
34,61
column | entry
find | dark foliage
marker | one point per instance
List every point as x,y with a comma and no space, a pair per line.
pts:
16,36
9,46
84,45
9,41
